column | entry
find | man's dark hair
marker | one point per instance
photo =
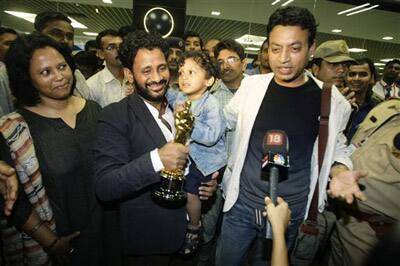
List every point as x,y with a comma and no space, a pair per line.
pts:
294,16
230,45
316,61
137,40
202,59
371,66
43,18
192,34
124,30
88,63
4,30
18,61
89,44
107,32
391,62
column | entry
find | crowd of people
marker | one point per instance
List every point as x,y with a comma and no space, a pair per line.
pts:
84,137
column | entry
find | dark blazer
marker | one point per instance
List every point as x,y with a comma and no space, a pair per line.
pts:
126,134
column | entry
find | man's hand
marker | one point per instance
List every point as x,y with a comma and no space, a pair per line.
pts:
8,186
344,184
349,95
207,189
173,155
279,215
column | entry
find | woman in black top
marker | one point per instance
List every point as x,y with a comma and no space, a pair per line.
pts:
62,127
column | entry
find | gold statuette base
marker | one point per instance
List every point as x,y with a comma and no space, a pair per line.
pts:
171,186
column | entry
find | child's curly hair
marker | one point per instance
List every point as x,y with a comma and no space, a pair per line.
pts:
202,59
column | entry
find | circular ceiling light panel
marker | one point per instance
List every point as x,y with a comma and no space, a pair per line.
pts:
159,19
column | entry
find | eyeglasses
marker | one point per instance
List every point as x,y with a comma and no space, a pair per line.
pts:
229,60
112,47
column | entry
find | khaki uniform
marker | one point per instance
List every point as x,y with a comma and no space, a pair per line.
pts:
375,152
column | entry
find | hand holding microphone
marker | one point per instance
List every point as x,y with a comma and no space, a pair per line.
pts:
276,157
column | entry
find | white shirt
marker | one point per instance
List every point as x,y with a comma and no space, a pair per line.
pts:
105,89
379,90
81,87
240,114
169,117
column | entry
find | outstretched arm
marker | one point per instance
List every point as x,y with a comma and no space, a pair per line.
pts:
344,183
279,217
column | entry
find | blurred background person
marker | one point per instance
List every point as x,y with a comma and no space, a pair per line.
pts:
176,48
330,62
193,41
389,87
88,63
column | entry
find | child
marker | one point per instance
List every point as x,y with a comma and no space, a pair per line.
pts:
207,153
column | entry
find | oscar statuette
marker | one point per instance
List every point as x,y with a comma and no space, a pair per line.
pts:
172,180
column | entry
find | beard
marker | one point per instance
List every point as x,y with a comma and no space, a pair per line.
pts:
145,92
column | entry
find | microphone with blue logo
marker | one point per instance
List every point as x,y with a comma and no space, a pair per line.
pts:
276,159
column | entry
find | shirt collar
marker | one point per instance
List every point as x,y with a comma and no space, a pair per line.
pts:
107,76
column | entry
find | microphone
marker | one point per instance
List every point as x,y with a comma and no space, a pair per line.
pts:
276,157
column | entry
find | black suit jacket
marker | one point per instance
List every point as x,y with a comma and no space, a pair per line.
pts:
126,134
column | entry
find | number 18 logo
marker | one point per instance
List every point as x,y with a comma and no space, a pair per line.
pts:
275,139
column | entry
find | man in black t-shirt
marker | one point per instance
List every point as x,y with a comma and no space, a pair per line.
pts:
287,99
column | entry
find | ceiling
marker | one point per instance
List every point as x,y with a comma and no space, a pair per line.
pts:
238,17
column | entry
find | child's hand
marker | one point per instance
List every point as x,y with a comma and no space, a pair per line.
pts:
179,107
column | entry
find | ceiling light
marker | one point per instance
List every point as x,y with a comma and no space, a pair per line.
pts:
353,8
381,68
386,60
76,24
107,1
362,10
168,16
252,48
27,16
275,2
215,13
31,18
379,64
97,10
249,39
336,30
357,50
90,33
287,2
388,38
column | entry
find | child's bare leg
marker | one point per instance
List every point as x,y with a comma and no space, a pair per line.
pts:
193,207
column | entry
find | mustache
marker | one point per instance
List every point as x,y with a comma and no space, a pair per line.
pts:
161,82
226,70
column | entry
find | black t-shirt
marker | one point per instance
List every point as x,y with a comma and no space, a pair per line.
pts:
295,111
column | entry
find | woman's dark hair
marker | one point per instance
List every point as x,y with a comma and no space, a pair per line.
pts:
18,61
294,16
137,40
202,59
